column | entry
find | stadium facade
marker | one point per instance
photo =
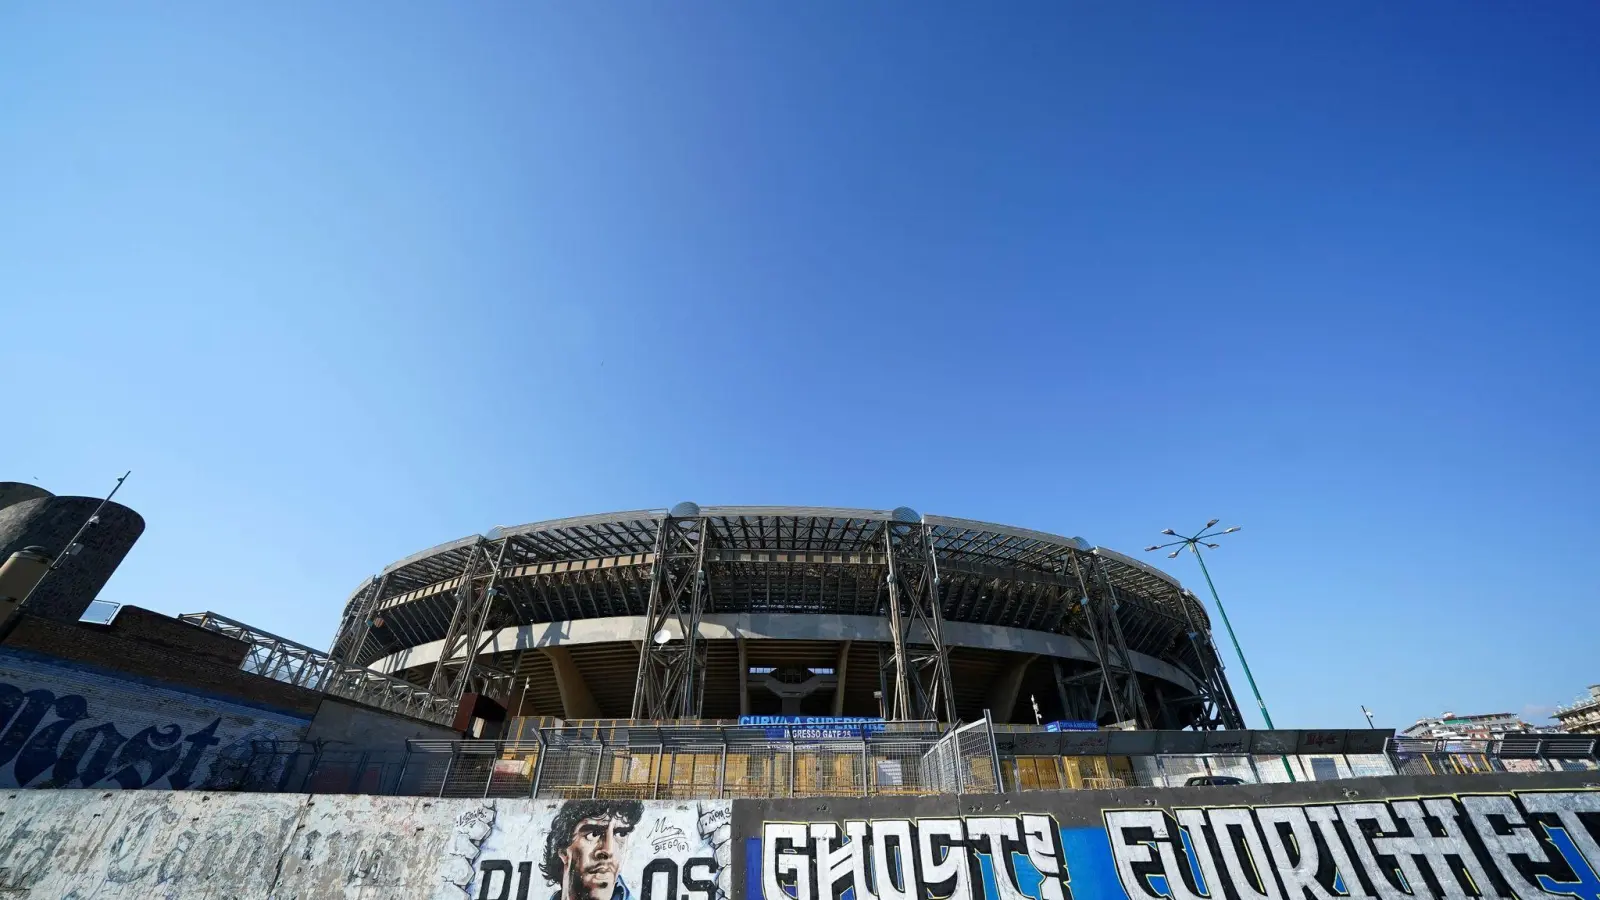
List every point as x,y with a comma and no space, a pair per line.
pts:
713,613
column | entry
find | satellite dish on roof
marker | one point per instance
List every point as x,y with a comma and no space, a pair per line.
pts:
684,510
906,515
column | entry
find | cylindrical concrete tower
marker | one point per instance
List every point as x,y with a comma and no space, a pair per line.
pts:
50,522
14,492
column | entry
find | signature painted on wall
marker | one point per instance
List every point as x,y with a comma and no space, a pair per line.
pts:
666,838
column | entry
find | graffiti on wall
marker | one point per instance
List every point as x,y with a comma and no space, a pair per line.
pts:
594,849
998,857
1525,845
64,726
1495,845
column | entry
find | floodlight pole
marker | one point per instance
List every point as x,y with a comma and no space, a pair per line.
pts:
1262,704
1193,543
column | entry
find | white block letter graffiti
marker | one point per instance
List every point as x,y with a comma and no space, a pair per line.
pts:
894,868
942,859
784,859
1044,852
1236,828
1297,868
926,859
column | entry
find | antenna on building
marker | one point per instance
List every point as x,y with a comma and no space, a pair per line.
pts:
1368,713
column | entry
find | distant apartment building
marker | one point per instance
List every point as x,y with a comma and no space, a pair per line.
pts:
1484,726
1582,716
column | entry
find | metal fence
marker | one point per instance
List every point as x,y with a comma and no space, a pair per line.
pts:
1512,753
680,762
708,761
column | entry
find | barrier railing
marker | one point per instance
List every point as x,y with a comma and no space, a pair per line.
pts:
666,761
1512,753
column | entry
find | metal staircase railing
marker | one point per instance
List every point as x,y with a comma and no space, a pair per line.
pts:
295,663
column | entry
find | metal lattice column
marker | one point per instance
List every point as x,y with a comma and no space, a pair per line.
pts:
1228,714
1220,709
1117,682
458,650
1074,693
349,641
1135,693
669,671
919,663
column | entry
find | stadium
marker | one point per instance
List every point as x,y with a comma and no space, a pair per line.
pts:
709,614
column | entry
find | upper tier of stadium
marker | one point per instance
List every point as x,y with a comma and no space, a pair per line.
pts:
808,575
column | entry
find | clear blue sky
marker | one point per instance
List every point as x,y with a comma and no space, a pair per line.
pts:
341,281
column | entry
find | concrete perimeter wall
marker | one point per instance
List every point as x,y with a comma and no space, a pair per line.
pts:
70,724
343,723
151,702
1495,836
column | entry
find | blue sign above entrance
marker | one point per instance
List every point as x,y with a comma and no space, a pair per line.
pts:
1071,725
814,727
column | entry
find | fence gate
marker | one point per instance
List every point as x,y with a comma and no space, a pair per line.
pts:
963,761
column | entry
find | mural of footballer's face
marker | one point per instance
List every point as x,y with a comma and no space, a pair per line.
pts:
593,859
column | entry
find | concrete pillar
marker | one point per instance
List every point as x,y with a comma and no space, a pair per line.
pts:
576,700
744,676
1003,693
838,671
791,693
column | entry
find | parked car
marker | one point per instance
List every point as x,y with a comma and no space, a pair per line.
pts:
1212,781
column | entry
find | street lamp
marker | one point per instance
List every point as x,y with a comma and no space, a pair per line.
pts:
1194,542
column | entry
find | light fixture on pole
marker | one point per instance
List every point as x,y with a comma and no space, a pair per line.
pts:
1368,713
1193,543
